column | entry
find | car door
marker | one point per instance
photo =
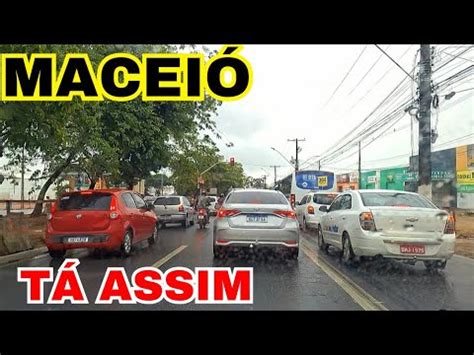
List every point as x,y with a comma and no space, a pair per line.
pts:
132,213
143,225
341,218
328,222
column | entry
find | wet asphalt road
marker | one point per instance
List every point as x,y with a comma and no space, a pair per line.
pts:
279,283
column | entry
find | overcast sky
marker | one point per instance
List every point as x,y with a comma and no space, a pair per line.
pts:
292,85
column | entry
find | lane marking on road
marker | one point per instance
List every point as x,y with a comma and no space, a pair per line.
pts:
357,293
169,256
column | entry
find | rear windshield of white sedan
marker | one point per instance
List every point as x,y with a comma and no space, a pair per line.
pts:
324,199
256,197
169,201
398,199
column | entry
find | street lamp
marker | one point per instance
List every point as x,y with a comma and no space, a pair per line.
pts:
283,157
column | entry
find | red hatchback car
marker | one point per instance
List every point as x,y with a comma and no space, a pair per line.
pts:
100,219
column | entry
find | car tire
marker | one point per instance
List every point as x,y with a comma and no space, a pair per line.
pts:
304,225
163,225
321,243
154,237
347,254
432,265
126,247
218,252
293,253
191,222
57,254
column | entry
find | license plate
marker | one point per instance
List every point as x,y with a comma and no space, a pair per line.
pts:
77,240
257,219
412,249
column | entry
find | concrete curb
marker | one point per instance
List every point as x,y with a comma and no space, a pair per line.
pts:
28,254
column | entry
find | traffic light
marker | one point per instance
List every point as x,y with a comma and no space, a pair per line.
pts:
232,161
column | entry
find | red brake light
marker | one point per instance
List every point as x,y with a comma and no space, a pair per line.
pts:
181,208
286,214
86,192
52,210
367,222
227,213
114,208
450,227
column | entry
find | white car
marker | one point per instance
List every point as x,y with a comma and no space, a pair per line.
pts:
392,224
307,210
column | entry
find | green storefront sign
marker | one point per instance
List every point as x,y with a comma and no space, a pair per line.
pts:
368,180
393,179
465,188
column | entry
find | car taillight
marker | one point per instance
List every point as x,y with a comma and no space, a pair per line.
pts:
227,213
310,209
367,222
52,210
450,227
286,214
114,208
181,208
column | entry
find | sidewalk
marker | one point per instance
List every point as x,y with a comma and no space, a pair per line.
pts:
23,255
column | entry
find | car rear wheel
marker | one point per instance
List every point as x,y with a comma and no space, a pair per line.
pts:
293,253
126,247
305,226
435,264
154,237
185,223
347,254
218,252
57,254
321,243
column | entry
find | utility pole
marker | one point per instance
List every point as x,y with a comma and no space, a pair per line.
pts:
297,150
275,173
360,163
23,178
162,190
424,123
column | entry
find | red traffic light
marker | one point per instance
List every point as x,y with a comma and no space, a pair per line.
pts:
232,161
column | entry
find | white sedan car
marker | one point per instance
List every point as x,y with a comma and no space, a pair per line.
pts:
307,210
392,224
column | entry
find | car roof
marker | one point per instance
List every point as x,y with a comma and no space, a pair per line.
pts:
390,191
111,191
256,190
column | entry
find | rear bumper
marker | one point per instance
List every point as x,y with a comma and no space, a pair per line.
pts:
111,238
288,237
374,243
175,218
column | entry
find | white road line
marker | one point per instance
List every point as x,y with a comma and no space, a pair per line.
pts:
357,293
169,256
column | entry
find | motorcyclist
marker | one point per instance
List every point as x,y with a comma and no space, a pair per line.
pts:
220,201
204,202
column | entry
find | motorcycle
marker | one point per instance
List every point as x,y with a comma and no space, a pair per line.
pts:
203,218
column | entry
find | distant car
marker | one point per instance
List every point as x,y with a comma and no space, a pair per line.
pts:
212,206
174,209
254,218
100,219
307,210
392,224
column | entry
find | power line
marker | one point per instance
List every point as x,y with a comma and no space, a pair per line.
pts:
345,76
393,60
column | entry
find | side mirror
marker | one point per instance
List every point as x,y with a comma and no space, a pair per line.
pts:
323,208
149,206
297,203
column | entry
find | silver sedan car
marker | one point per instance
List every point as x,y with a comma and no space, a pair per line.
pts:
253,218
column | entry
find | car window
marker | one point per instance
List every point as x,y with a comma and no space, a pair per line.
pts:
303,200
257,197
85,201
138,201
395,199
346,202
173,201
128,200
186,201
324,199
336,205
